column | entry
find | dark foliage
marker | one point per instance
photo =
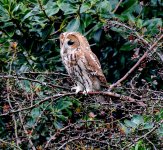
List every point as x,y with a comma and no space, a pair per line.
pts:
37,108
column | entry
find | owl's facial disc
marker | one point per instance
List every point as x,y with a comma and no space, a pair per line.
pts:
72,41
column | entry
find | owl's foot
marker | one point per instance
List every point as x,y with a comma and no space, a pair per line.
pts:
77,89
85,92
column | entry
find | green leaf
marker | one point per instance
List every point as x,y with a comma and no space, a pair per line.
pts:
16,8
30,122
124,128
68,8
130,6
73,25
35,112
97,35
153,22
160,131
25,85
148,125
137,119
84,7
58,125
130,124
139,23
138,145
51,8
128,46
119,30
104,7
61,105
47,31
28,15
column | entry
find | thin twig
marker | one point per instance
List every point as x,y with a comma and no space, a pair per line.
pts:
8,87
69,141
117,6
26,132
11,144
54,97
53,137
154,147
14,120
32,80
46,73
43,10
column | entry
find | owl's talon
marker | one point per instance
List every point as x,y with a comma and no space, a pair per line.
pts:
85,92
77,89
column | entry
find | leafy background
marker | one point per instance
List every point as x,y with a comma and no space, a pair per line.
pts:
29,48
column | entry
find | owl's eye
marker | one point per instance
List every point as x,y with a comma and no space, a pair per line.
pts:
70,42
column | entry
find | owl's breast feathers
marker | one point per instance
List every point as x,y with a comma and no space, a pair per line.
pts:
91,64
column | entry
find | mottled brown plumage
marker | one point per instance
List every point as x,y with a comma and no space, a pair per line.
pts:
81,63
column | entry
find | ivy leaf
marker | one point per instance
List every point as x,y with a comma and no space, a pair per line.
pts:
68,8
51,8
73,25
148,125
58,125
128,46
61,105
35,112
137,119
84,7
130,124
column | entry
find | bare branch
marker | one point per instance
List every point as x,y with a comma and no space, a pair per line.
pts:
136,65
54,97
25,131
117,6
32,80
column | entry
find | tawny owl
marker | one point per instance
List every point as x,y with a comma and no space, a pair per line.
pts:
81,63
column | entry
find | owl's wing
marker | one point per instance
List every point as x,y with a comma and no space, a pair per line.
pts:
92,65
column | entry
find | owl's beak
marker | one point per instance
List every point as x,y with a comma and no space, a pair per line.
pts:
63,49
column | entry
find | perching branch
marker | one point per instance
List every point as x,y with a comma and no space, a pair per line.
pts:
57,96
122,97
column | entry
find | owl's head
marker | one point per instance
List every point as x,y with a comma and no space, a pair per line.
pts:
70,41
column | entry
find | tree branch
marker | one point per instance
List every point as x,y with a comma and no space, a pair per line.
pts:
136,65
54,97
32,80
